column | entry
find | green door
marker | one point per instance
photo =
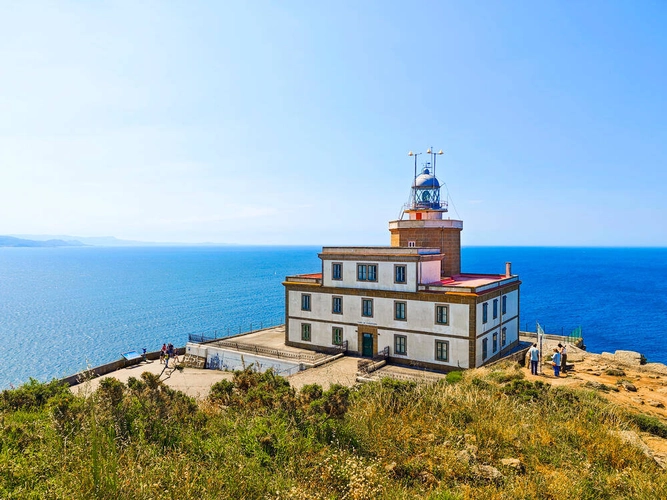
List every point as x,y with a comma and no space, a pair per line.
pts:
367,345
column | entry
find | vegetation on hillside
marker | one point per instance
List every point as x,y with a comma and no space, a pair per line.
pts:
486,434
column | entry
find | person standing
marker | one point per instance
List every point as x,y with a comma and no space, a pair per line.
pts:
534,356
163,353
563,358
555,361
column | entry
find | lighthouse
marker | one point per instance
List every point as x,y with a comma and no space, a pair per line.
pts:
423,223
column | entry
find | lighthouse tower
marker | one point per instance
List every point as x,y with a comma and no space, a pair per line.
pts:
426,225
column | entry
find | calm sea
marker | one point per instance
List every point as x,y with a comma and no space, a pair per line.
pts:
63,309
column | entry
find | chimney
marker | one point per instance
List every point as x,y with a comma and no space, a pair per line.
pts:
508,269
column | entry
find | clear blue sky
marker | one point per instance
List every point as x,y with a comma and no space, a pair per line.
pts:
290,122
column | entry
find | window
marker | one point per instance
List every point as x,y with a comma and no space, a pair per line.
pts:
399,274
367,307
400,345
305,302
412,244
367,272
495,308
495,342
337,305
399,310
305,332
485,312
504,306
485,348
441,350
441,314
503,337
336,335
336,271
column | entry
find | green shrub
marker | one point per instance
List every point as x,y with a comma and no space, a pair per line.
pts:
221,391
453,377
614,372
650,424
33,394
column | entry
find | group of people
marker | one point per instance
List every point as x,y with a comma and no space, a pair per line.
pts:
168,352
558,359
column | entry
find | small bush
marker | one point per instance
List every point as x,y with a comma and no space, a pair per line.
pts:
650,424
221,391
454,377
503,376
525,390
614,372
33,394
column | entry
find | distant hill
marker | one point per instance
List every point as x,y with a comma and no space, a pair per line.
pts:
106,241
10,241
96,241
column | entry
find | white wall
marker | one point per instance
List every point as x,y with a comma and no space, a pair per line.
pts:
512,310
225,359
430,271
385,276
421,347
420,316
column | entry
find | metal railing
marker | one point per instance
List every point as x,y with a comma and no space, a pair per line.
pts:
268,351
368,365
221,333
280,353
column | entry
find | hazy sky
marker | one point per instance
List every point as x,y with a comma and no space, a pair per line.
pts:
290,122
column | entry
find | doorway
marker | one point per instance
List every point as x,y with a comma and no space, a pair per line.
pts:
367,345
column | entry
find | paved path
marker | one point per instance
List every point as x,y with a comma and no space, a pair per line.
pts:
192,381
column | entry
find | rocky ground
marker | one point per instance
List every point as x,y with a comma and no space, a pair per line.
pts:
621,378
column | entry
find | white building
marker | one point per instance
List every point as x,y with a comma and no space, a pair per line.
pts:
409,300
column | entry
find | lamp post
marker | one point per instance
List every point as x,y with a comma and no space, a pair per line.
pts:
414,180
434,154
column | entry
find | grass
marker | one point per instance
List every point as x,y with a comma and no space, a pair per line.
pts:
256,437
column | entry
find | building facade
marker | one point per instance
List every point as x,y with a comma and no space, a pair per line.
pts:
409,300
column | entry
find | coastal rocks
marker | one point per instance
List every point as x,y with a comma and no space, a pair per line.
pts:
660,459
633,439
513,463
628,386
631,358
655,404
656,367
600,387
487,472
465,457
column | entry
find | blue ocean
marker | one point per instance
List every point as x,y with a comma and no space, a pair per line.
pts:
65,309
